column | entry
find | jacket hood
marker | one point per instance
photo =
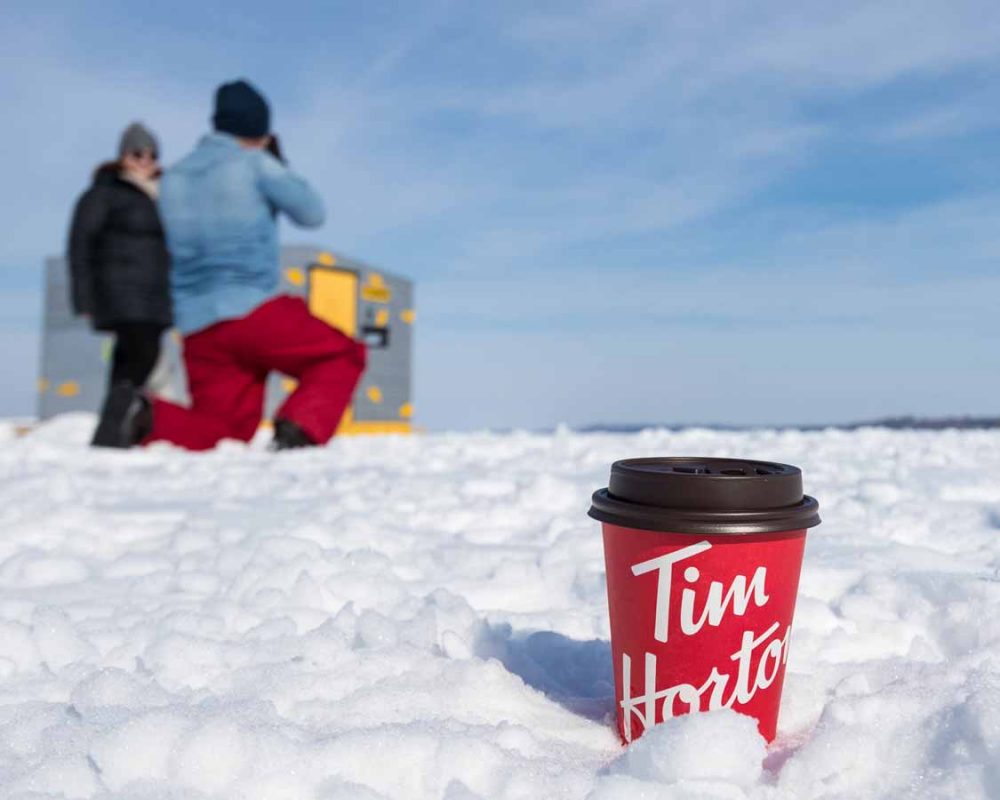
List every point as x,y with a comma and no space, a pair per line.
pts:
106,173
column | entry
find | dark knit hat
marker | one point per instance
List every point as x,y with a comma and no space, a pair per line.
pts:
241,110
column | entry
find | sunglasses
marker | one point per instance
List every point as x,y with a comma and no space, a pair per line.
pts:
140,154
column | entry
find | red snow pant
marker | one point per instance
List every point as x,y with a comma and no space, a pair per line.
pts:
227,366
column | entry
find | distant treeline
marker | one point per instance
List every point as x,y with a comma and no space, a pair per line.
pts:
895,423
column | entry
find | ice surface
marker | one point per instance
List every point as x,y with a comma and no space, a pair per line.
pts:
425,617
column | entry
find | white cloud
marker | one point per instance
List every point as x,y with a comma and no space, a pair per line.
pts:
853,44
976,111
883,275
856,45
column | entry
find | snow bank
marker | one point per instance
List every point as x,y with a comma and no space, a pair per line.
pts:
699,753
425,618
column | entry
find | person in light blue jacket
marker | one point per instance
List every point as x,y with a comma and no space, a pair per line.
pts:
219,207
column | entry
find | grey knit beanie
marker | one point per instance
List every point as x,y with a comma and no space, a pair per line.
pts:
137,138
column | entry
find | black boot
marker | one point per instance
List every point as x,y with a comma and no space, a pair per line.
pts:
126,418
288,435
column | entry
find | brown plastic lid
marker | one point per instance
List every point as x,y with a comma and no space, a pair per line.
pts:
705,495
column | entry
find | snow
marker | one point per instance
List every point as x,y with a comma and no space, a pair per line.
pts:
425,617
718,746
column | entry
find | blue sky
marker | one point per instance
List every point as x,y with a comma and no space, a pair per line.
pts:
615,211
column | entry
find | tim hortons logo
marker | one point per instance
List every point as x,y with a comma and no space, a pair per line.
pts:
715,604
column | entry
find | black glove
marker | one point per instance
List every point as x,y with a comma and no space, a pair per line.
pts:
274,148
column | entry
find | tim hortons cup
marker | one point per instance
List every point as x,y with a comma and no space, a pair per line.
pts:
703,558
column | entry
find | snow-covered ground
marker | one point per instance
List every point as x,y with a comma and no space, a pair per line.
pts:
425,617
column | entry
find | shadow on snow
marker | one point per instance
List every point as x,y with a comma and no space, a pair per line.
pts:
575,674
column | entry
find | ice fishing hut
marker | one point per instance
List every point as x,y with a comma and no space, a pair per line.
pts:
373,306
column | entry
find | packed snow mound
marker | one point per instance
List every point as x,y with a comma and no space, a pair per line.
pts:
425,617
716,747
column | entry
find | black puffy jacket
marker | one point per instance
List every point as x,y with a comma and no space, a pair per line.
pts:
119,266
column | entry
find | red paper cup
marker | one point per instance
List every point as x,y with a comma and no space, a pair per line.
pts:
703,559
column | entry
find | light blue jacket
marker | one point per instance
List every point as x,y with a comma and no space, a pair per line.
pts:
219,208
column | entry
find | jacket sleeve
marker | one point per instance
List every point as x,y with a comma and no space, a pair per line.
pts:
88,218
290,193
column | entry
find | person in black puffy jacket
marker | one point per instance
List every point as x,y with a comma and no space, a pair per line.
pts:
119,270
